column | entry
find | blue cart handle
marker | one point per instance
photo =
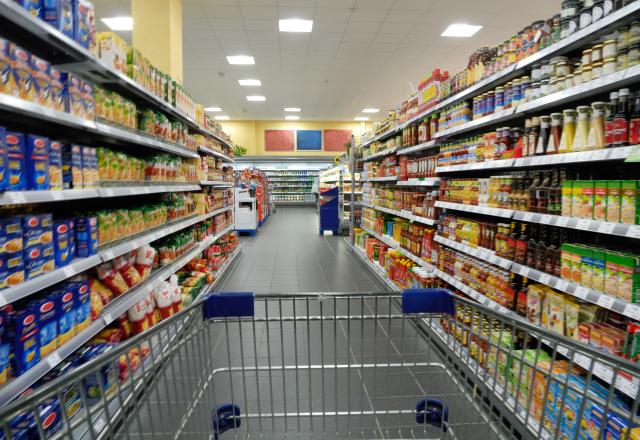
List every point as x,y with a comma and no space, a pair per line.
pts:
427,301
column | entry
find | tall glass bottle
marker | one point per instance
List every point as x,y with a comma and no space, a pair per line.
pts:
609,126
543,136
621,120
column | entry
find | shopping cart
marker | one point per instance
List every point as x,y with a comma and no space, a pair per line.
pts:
424,364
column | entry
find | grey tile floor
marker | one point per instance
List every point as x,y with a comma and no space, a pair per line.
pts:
288,255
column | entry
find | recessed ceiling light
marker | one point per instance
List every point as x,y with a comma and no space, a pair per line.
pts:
222,118
119,23
256,98
240,59
292,109
292,117
460,30
249,82
295,25
212,109
361,118
370,110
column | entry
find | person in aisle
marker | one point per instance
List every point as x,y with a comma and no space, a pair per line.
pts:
315,190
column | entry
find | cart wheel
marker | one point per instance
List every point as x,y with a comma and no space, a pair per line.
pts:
224,418
432,412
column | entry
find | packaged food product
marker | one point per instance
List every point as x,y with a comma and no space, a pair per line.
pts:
101,291
112,278
83,10
72,166
41,81
600,200
128,272
567,194
75,104
65,309
59,14
25,333
21,75
5,362
83,304
113,51
613,201
58,90
55,165
46,315
5,67
611,274
104,379
95,302
586,266
33,6
86,232
37,230
145,256
164,300
16,161
628,278
629,202
138,316
37,162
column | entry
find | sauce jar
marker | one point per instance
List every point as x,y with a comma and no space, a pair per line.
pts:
569,26
586,57
607,7
609,66
563,68
623,38
634,55
536,72
569,8
610,49
622,61
597,12
586,74
596,70
544,87
516,93
525,85
568,81
634,32
499,98
585,17
535,90
596,53
577,77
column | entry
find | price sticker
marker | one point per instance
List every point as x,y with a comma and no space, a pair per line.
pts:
99,425
53,359
562,285
605,301
18,197
108,192
582,360
568,157
632,311
524,271
633,232
619,153
600,154
527,217
68,271
581,292
583,224
57,195
606,228
562,221
603,371
545,219
108,319
545,278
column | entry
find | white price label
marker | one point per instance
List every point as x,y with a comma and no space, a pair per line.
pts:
600,154
527,217
108,319
562,221
620,153
524,271
603,372
18,197
606,228
57,195
605,301
109,192
583,224
633,311
53,359
633,232
68,271
581,292
545,219
545,278
562,285
3,301
568,157
99,425
582,360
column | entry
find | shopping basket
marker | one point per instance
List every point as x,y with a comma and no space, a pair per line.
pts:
421,364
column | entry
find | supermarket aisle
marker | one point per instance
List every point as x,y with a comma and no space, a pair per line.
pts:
288,255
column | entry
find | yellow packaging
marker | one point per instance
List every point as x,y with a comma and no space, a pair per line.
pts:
600,200
567,196
613,201
113,51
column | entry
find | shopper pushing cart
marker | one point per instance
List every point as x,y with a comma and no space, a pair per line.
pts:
423,364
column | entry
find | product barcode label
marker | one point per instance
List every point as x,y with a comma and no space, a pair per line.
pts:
620,153
107,319
57,195
581,292
18,198
545,219
633,311
53,359
527,217
600,154
524,271
633,232
605,301
68,271
606,228
562,285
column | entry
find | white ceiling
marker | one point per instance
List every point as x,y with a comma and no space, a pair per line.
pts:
361,53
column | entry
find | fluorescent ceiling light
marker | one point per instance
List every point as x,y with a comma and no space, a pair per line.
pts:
295,25
250,82
212,109
292,109
370,110
222,118
460,30
361,118
240,59
256,98
119,23
292,117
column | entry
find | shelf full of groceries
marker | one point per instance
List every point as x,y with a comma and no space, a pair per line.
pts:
514,183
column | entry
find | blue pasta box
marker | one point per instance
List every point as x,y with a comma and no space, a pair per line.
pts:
71,166
59,14
48,254
33,262
4,175
4,317
21,74
5,67
55,165
58,90
16,161
46,310
71,223
66,304
51,421
83,305
37,229
71,401
104,379
83,11
14,264
62,246
11,234
5,362
87,236
75,106
33,6
37,162
41,81
26,343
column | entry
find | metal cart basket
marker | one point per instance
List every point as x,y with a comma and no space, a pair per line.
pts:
424,364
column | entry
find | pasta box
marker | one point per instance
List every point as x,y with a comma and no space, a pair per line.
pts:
86,236
33,262
21,75
4,175
16,158
83,305
75,105
41,80
5,66
58,90
37,229
46,311
55,165
71,166
37,162
61,243
33,6
25,330
59,14
65,304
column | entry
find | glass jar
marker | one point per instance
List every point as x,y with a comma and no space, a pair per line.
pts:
595,140
563,68
586,74
585,17
610,49
544,87
586,57
607,7
609,66
516,93
536,72
596,70
525,85
499,98
597,12
622,61
634,55
582,128
634,32
547,70
535,90
569,8
623,38
568,81
569,27
553,85
596,53
568,130
556,28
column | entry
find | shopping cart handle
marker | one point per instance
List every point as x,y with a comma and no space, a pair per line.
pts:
228,304
427,301
224,418
432,412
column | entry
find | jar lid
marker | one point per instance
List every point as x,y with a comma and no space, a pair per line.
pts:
583,108
609,42
597,46
609,60
596,64
556,115
525,78
586,68
586,51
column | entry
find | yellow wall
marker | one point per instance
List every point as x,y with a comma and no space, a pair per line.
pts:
250,134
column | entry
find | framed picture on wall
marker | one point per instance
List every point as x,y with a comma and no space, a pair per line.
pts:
309,140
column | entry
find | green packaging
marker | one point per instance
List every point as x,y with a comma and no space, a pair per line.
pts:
586,267
611,273
576,198
567,196
587,199
613,201
600,200
597,269
628,277
566,256
629,202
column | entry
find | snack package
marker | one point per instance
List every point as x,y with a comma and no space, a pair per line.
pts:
128,272
176,294
145,256
138,316
59,14
112,278
95,301
164,300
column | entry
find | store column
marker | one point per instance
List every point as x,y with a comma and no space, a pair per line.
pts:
157,33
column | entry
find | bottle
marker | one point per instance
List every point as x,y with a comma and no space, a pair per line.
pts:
609,127
532,245
520,254
582,128
543,137
555,134
551,253
525,137
533,135
621,119
634,123
568,131
532,190
542,193
511,241
541,249
521,304
525,198
596,138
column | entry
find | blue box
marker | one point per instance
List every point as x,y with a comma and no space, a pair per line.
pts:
41,81
59,14
71,166
82,13
37,162
87,236
47,316
55,165
66,304
33,6
26,344
37,230
4,173
61,243
72,238
16,161
83,305
58,90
